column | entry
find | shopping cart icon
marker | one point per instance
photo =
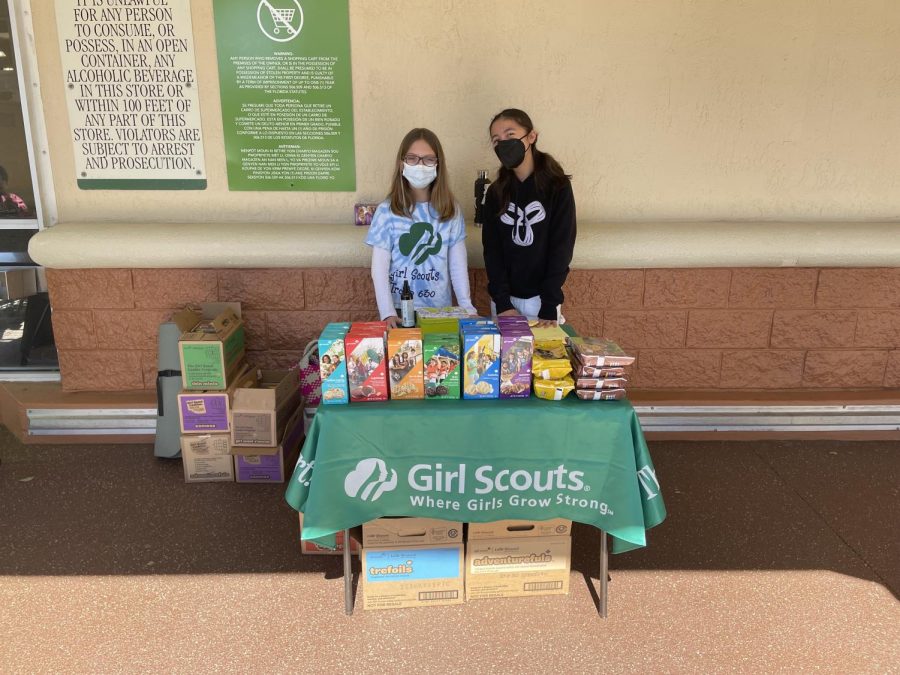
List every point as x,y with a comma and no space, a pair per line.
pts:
282,23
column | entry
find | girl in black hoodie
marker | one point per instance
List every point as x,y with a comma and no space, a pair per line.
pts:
529,228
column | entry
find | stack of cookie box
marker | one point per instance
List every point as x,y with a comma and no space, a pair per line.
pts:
599,368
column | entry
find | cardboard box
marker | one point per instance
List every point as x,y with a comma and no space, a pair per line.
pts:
211,346
366,368
506,568
441,365
333,366
385,532
516,353
499,529
207,459
259,416
405,364
310,548
415,576
271,465
481,365
209,412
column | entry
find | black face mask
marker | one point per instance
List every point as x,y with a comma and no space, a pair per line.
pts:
511,152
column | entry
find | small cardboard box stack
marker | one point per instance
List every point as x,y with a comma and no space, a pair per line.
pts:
211,351
267,427
510,558
412,562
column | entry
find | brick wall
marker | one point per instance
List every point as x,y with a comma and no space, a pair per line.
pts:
694,329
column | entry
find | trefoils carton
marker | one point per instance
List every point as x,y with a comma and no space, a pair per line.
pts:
441,365
510,567
413,576
406,364
332,364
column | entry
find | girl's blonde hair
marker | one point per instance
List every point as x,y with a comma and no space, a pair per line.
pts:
401,196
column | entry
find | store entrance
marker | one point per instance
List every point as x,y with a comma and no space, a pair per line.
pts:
26,332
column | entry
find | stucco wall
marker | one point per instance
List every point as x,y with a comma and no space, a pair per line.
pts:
690,110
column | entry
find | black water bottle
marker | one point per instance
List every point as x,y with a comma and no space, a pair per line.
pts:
482,183
407,310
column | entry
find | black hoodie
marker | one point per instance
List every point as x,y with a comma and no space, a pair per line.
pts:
528,247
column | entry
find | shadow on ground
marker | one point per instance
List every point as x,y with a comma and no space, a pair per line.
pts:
81,510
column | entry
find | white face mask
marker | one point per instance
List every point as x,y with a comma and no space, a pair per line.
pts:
419,176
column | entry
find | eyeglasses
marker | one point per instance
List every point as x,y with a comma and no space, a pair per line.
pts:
412,160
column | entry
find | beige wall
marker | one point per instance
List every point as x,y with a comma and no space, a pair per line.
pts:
690,109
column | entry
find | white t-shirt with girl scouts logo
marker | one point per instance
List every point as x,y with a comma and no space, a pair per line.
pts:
419,249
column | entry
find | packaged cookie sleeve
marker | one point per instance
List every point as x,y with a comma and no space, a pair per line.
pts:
599,352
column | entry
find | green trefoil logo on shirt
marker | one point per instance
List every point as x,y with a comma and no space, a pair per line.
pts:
421,242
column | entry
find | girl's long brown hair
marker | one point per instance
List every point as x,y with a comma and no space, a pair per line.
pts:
548,174
401,196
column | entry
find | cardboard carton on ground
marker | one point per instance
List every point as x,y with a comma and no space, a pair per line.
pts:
259,416
500,529
506,568
271,465
403,531
18,284
310,548
413,576
206,459
211,346
209,412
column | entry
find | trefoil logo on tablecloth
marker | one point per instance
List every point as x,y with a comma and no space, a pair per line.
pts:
647,478
370,479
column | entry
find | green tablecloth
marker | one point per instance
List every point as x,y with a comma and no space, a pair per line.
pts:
478,461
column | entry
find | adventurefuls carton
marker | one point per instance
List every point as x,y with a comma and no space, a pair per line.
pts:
500,529
503,568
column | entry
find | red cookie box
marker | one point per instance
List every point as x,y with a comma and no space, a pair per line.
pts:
366,368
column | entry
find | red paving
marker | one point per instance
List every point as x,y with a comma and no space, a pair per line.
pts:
776,557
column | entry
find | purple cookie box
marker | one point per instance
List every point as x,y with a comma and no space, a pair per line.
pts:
266,468
508,339
215,420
